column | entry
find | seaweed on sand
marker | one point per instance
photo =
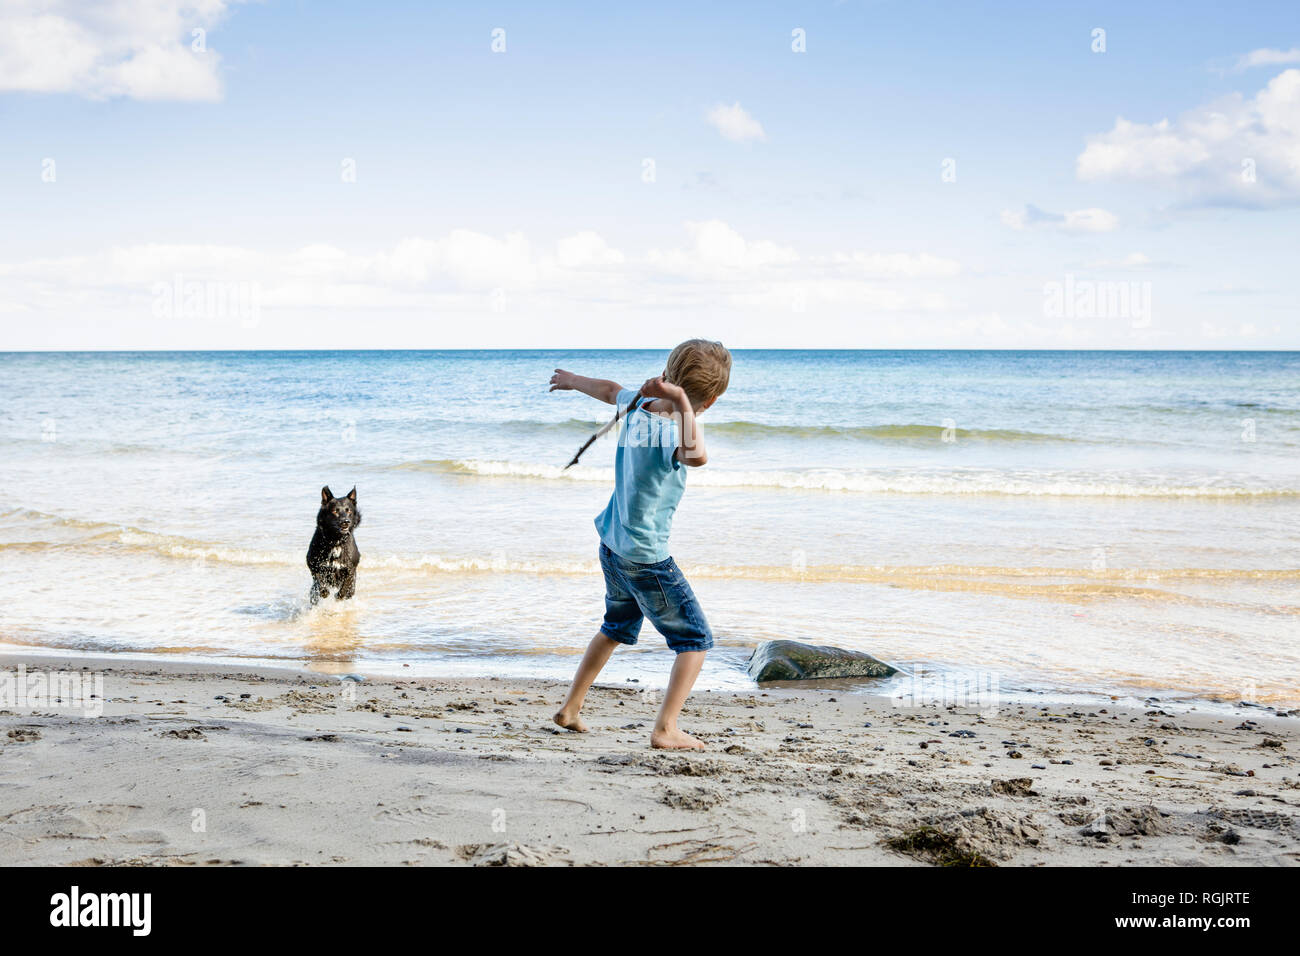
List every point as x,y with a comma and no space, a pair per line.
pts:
938,847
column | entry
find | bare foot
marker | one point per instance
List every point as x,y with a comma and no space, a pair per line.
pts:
570,722
674,740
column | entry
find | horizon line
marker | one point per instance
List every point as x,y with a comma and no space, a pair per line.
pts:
634,348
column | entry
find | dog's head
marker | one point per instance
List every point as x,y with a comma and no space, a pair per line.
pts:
338,517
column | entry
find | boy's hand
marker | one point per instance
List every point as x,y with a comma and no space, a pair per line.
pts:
597,388
657,388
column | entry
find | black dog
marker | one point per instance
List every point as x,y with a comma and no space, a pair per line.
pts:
332,556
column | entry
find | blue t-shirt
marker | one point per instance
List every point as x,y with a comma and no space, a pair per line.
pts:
648,484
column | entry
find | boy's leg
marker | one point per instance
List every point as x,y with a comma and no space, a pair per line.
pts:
666,735
681,621
595,658
622,621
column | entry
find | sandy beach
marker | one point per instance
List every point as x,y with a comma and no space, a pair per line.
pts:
203,764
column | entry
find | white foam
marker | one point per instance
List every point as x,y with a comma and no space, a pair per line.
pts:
865,482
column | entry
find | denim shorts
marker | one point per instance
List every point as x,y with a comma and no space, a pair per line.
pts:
658,591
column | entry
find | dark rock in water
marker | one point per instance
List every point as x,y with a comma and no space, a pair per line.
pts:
790,660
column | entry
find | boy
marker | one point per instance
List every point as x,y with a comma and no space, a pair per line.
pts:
641,579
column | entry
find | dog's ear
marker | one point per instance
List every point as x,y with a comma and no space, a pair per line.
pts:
326,496
352,495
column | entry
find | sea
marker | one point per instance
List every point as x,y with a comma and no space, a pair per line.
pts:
1064,525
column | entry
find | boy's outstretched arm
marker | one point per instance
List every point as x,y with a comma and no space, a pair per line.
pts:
597,388
690,443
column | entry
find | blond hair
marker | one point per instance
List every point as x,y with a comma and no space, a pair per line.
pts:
701,368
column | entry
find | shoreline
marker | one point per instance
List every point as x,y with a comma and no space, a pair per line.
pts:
226,764
880,689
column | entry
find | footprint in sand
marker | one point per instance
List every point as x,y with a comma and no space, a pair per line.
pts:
1256,819
407,816
282,767
89,822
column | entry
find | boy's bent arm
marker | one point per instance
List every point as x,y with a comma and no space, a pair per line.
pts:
690,447
690,443
598,388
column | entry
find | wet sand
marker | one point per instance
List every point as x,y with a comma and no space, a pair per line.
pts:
206,765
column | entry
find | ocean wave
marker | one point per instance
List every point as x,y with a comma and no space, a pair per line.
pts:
899,432
110,540
752,429
59,532
867,482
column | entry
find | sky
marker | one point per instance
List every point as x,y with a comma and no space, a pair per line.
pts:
872,174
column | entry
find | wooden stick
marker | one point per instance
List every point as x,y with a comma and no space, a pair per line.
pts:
603,429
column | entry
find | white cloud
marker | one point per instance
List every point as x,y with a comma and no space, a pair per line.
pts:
1267,57
899,265
1090,220
464,269
586,249
1073,221
141,49
1241,334
1138,151
463,259
820,296
717,251
1134,260
1237,150
735,123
